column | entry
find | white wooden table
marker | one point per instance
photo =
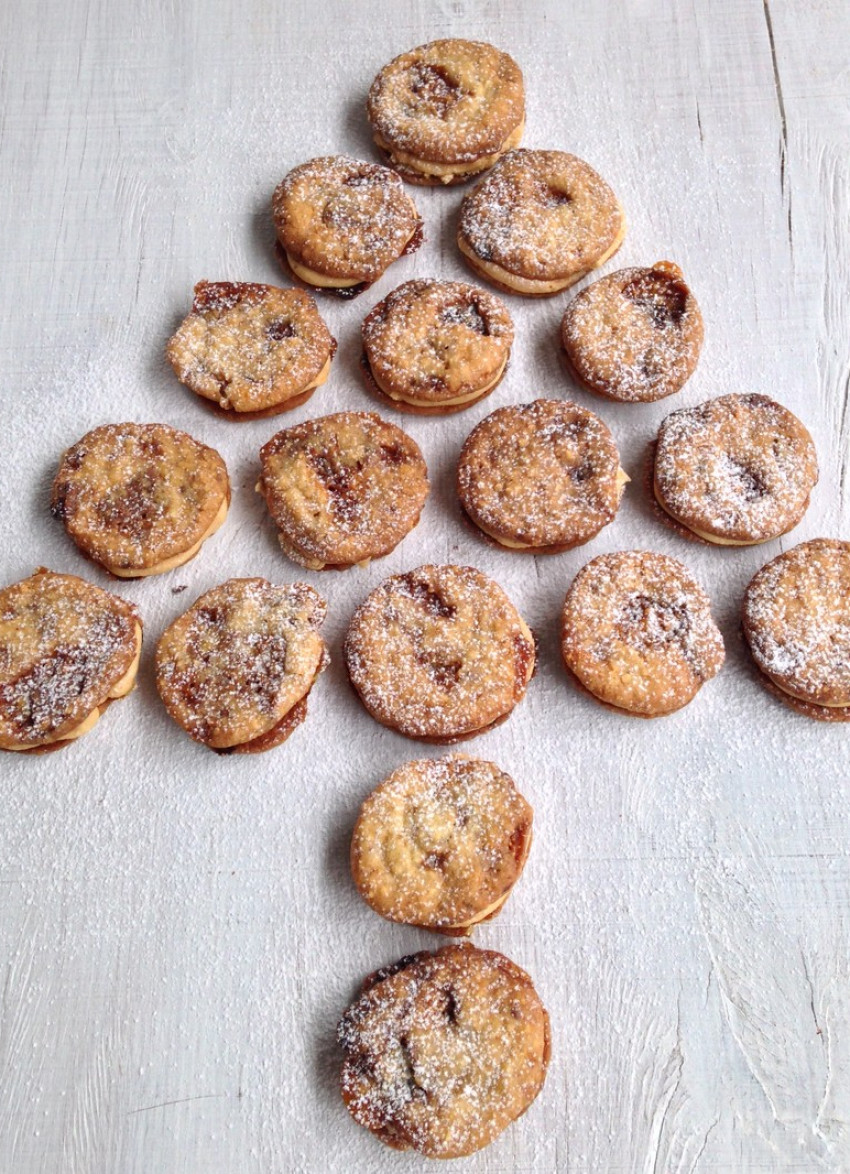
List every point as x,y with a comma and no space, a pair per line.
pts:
178,932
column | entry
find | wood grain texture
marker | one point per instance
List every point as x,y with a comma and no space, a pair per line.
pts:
179,933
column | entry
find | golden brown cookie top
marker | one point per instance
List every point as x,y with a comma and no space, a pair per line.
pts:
541,215
797,621
634,335
538,475
231,667
440,842
250,347
342,489
133,496
443,1051
637,632
435,341
439,653
64,645
739,467
450,101
344,218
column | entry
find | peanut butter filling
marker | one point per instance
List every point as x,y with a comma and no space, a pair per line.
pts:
448,171
530,285
438,403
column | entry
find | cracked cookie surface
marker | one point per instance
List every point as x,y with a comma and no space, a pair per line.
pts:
444,1051
736,470
235,669
441,843
140,499
67,649
252,350
540,477
637,633
342,489
437,346
448,110
635,335
797,624
439,653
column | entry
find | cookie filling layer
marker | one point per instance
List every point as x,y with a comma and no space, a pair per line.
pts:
176,560
438,403
713,538
530,285
322,281
120,689
449,171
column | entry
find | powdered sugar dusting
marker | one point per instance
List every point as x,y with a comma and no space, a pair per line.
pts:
439,841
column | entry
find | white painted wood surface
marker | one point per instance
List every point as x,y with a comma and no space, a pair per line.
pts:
178,932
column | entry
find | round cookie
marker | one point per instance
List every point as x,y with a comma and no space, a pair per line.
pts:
540,477
441,843
341,222
795,618
235,669
444,1051
434,347
635,335
342,489
447,110
439,654
67,650
539,222
736,471
251,350
140,499
637,633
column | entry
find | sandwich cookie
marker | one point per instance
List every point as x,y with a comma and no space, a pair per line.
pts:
67,650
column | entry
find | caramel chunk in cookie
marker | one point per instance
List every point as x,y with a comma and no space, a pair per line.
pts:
252,350
635,335
637,633
736,470
235,669
342,489
434,347
439,653
447,110
444,1051
540,477
796,619
441,843
140,499
341,222
539,222
67,649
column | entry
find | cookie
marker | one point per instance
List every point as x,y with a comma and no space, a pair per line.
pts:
635,335
434,347
235,669
341,222
342,489
540,477
797,624
737,470
539,222
439,654
252,350
637,633
67,650
447,110
140,499
444,1051
441,843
